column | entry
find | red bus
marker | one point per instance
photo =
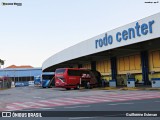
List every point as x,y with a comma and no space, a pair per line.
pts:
75,78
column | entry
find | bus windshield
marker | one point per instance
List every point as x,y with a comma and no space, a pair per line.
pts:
74,72
60,71
48,77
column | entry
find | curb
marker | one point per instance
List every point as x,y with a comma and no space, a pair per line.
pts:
4,88
131,88
126,88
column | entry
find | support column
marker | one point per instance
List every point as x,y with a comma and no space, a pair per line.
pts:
93,65
114,68
80,66
145,67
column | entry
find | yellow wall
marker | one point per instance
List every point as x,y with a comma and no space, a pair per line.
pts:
106,77
104,67
129,64
87,65
154,64
155,75
138,77
154,61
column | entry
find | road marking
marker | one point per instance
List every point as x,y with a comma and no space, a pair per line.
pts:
21,105
121,96
33,104
121,104
96,99
46,108
77,99
116,99
77,106
51,102
59,100
11,108
37,97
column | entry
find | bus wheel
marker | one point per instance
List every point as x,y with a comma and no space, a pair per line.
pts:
68,88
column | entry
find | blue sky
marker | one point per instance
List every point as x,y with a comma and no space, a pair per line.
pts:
31,33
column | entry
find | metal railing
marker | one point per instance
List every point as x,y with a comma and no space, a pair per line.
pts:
5,82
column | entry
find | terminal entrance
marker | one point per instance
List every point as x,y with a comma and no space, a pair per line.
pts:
140,61
22,79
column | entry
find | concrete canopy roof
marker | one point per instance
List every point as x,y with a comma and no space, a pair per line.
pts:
87,50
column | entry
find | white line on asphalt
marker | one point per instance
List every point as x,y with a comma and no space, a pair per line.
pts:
21,105
11,108
78,106
33,104
77,99
51,102
76,118
115,98
92,99
102,99
46,108
73,102
37,97
121,104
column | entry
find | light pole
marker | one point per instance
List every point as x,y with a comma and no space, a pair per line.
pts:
30,75
2,63
14,77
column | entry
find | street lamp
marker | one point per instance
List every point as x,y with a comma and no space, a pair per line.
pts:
2,63
14,77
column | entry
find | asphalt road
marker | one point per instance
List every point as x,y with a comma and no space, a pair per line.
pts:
136,106
103,111
97,110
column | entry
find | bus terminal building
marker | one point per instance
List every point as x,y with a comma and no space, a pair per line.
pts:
22,74
132,50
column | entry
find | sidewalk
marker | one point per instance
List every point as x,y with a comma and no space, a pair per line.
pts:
4,88
129,88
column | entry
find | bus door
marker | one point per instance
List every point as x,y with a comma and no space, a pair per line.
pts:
47,79
52,82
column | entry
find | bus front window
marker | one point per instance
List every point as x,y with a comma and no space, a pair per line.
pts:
60,71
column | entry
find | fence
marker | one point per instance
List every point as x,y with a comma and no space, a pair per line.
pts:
5,82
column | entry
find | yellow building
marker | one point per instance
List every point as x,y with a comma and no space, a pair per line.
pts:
129,51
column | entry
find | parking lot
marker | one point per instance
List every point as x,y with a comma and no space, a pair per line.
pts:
32,98
34,94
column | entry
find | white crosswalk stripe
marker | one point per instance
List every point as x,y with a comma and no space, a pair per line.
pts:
107,98
51,102
81,100
111,97
92,99
60,100
21,105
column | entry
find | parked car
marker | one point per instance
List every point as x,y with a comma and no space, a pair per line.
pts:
19,84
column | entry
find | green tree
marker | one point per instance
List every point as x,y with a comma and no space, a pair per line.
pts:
1,62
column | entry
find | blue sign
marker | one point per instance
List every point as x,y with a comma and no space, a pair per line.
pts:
136,31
